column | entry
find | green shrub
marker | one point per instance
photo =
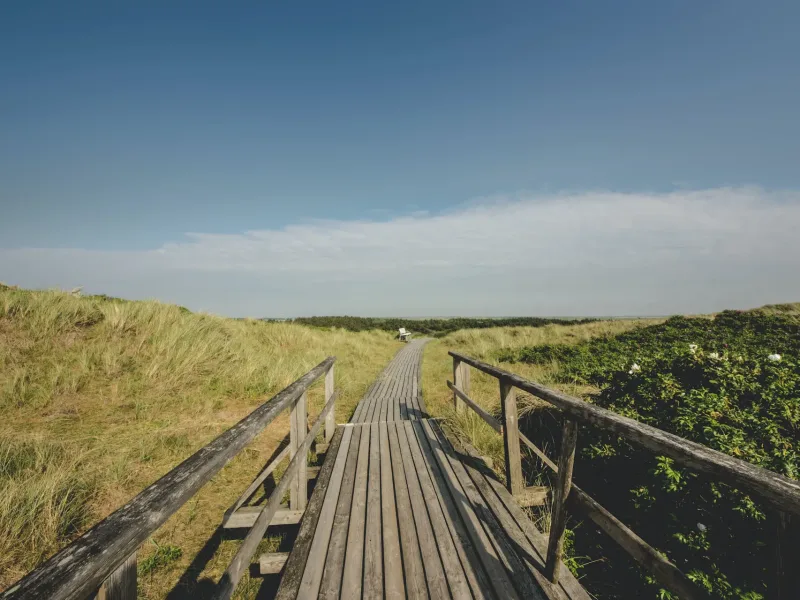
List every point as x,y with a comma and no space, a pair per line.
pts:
717,382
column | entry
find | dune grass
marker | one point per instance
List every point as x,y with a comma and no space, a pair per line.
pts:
100,398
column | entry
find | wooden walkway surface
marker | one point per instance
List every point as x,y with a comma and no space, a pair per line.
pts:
399,512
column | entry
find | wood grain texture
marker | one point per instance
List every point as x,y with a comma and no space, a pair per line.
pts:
508,403
330,420
298,489
558,516
295,565
465,399
121,584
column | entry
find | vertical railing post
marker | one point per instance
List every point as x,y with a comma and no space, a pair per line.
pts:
121,584
558,519
298,428
508,403
461,380
330,420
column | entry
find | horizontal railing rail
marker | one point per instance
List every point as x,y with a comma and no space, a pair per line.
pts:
779,491
77,571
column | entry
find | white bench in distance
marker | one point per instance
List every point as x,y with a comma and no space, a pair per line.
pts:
403,334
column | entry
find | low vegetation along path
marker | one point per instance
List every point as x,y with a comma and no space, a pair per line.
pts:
399,512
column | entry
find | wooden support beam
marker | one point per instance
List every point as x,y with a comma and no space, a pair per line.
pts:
534,495
235,570
272,563
558,521
298,491
508,402
246,516
121,584
461,381
253,487
330,420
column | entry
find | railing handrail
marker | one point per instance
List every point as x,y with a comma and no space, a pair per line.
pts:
780,491
79,569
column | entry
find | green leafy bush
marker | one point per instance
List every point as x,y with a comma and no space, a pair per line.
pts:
733,384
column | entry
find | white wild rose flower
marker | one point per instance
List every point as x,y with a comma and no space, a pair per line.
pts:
714,355
634,369
774,357
692,348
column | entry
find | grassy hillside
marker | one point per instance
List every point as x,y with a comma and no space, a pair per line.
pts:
100,397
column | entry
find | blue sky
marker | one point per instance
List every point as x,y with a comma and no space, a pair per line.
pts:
124,128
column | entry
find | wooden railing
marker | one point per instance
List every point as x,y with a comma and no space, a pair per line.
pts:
782,493
102,562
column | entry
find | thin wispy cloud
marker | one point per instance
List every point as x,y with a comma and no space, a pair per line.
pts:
583,253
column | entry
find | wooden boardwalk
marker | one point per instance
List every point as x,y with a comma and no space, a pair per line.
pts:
399,512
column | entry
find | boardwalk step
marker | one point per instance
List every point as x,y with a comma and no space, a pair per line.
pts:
272,563
535,495
246,516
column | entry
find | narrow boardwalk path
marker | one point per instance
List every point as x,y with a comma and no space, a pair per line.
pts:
398,512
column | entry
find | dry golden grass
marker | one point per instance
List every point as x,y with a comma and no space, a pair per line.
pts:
100,398
487,345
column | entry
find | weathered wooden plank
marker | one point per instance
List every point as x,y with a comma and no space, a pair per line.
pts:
412,559
465,399
334,563
508,402
519,574
536,547
558,515
392,559
298,490
121,584
434,570
235,570
330,420
296,563
354,557
482,542
272,563
373,548
312,577
80,568
780,491
246,516
253,487
460,382
508,514
477,579
442,539
533,495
